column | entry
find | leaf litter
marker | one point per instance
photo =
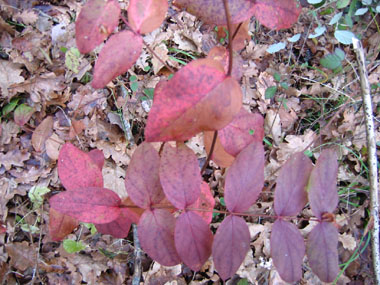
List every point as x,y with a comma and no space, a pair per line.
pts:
34,69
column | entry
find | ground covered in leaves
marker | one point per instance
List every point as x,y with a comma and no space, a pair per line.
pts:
46,100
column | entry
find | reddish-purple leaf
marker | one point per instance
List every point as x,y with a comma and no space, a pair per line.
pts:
231,244
277,14
245,178
76,169
90,205
97,157
322,251
219,155
193,240
60,225
323,194
198,98
156,234
22,114
290,195
205,202
145,16
97,19
287,250
118,228
221,54
244,129
117,56
212,11
180,175
142,180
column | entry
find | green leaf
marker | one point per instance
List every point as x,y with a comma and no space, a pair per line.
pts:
149,92
295,38
72,246
222,202
270,92
10,106
340,53
30,229
336,18
133,78
22,114
91,227
276,47
308,153
344,37
243,282
342,3
147,68
331,61
267,142
35,195
277,77
318,32
284,85
134,86
72,59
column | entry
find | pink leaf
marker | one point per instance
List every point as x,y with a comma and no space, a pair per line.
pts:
118,228
60,225
231,244
117,56
323,194
97,19
287,250
156,234
290,195
220,53
97,157
205,202
180,175
145,16
245,178
76,169
212,11
198,98
244,129
322,251
277,14
219,155
90,205
192,232
142,180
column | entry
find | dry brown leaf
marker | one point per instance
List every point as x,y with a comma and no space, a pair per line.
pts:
113,177
9,75
272,126
41,133
13,157
22,255
53,145
294,144
348,241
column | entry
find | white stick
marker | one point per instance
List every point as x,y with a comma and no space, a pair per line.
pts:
372,159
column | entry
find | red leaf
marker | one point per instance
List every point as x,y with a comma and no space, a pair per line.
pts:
42,133
118,228
287,250
277,14
97,19
220,53
90,205
117,56
212,11
322,251
97,157
231,244
290,195
219,155
60,225
245,178
192,232
76,169
198,98
180,175
145,16
156,234
205,202
323,194
142,180
237,135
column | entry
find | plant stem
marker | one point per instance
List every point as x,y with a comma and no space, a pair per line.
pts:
372,158
211,151
236,31
147,46
230,39
137,263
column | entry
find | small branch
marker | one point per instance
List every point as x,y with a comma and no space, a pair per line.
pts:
230,39
147,46
137,265
211,151
372,159
236,31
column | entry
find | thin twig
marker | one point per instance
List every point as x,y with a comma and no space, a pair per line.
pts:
210,153
137,266
372,159
229,27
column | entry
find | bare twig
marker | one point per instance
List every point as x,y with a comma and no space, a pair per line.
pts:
372,159
211,151
229,27
137,266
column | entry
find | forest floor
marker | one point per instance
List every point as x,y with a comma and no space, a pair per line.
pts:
43,75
